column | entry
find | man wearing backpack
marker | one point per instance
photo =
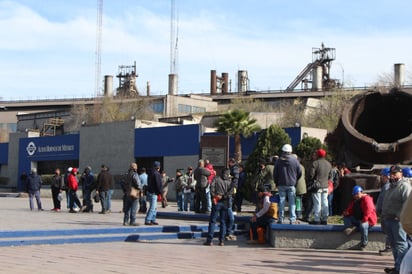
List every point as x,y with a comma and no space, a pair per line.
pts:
130,202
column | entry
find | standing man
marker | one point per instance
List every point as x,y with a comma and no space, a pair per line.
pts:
286,174
201,174
88,186
154,188
73,185
180,183
56,189
130,203
234,176
104,179
385,184
320,173
300,190
189,190
33,187
239,189
393,202
360,215
406,221
220,191
142,199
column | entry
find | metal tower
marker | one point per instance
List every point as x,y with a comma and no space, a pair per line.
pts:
98,62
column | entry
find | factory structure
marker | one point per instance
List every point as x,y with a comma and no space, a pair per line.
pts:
47,134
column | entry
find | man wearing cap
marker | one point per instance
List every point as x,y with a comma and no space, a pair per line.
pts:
393,202
189,190
320,173
154,188
360,215
286,174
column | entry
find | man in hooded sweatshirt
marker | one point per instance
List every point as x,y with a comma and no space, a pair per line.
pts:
286,174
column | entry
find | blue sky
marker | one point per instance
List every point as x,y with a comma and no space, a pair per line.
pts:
47,47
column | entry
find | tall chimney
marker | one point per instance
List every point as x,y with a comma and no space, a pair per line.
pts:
108,85
399,80
213,84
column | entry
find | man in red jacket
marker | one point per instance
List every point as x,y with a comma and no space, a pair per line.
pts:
360,215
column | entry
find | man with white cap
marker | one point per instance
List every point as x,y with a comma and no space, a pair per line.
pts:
286,174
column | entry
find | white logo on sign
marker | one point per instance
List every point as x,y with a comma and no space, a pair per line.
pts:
31,148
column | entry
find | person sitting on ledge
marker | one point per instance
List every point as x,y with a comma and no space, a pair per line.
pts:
266,215
360,215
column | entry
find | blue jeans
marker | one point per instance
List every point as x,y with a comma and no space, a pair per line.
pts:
109,199
87,200
189,198
320,205
130,209
290,193
220,209
208,199
349,221
230,219
104,197
330,199
398,239
36,194
151,213
179,200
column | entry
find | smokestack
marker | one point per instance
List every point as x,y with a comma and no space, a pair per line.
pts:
242,84
225,82
399,80
213,80
172,84
148,88
317,78
108,85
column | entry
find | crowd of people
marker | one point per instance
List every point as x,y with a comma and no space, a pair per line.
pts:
309,193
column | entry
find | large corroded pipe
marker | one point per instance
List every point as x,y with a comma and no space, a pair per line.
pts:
377,127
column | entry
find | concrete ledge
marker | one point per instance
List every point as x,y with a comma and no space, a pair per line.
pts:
181,215
321,237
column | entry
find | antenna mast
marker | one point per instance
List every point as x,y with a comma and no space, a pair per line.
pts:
98,61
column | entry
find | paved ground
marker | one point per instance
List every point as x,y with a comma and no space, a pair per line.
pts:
162,256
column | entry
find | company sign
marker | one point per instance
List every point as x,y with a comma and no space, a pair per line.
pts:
50,148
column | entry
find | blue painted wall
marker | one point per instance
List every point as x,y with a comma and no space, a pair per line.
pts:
4,153
167,141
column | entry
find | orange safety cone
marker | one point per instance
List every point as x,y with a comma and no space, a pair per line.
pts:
261,235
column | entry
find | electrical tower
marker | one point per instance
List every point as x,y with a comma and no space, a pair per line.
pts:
98,62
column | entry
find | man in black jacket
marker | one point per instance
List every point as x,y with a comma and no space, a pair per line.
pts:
154,188
221,190
34,183
201,174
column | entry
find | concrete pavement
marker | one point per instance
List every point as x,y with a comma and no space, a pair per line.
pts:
155,256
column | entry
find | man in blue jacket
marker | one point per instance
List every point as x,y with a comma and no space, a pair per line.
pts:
286,174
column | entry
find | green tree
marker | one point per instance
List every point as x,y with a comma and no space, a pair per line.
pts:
269,144
307,146
237,123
